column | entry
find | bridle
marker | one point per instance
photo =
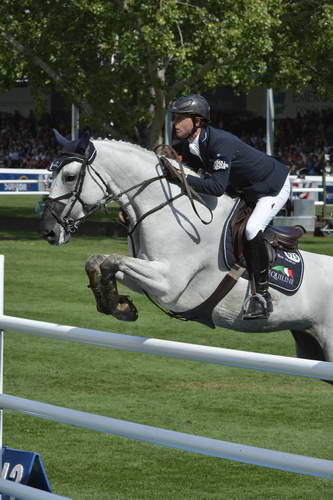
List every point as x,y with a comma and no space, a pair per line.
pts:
70,225
64,219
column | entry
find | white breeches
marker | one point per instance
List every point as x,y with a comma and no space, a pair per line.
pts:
265,209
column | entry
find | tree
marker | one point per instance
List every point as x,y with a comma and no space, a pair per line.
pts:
123,61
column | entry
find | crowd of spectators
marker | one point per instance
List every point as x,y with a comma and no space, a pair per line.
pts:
26,142
304,143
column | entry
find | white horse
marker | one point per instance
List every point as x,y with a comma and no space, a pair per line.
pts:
175,259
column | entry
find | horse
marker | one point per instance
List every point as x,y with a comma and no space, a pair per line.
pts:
174,258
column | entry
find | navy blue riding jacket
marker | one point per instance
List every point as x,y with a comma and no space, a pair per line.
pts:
232,165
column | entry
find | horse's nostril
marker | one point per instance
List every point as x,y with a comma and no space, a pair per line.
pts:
48,234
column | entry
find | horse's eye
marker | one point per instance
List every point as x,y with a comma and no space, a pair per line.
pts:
70,178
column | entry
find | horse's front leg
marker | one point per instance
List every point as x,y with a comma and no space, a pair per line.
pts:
103,270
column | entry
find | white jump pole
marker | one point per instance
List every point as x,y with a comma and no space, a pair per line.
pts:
194,352
172,439
24,492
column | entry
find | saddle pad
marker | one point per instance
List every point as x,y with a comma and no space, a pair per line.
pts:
285,274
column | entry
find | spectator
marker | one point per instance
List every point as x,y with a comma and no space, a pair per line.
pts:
26,142
300,142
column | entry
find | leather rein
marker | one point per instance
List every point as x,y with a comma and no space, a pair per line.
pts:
70,225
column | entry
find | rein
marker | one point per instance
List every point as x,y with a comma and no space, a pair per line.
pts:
71,225
190,192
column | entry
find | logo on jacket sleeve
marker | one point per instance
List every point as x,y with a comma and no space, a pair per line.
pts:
220,165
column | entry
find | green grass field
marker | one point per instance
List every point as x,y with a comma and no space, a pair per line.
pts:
285,413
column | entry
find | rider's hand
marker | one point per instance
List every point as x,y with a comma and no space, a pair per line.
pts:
173,175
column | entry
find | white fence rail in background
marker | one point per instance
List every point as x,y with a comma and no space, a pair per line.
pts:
25,171
20,183
198,444
308,188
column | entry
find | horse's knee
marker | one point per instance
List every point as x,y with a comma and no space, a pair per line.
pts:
94,262
109,267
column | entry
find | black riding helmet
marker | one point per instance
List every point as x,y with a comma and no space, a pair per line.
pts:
191,104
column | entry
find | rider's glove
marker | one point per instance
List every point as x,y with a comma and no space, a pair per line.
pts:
173,175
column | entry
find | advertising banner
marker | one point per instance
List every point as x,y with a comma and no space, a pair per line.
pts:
24,181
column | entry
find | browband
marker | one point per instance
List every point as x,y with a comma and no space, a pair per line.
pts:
67,157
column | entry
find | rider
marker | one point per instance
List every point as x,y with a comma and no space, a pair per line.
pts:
227,161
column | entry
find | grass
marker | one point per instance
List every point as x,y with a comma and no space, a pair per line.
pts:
291,414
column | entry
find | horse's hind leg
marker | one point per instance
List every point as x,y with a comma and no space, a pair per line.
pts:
308,347
105,290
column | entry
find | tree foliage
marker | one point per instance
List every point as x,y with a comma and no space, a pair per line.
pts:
123,61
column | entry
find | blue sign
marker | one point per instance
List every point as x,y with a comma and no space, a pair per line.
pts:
24,467
11,182
329,195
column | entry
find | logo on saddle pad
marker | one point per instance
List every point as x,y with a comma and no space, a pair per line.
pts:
285,270
294,257
286,273
282,274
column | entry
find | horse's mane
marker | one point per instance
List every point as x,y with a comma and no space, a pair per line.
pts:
141,149
124,143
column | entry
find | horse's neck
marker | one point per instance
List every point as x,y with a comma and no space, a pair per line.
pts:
128,165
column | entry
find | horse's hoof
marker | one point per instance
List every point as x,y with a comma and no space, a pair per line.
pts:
107,299
125,309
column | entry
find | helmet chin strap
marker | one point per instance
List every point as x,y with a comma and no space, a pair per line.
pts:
194,129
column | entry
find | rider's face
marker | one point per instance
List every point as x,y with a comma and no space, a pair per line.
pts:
183,125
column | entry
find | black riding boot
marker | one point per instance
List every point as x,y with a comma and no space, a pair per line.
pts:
259,304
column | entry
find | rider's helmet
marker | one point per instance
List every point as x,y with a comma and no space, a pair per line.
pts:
191,104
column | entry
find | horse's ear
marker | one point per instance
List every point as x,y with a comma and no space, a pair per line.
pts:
83,144
60,138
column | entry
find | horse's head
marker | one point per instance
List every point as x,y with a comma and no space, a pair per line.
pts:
76,190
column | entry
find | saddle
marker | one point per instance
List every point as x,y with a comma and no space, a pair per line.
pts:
287,264
276,237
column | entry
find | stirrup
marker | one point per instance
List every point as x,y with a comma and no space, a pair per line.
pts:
256,307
